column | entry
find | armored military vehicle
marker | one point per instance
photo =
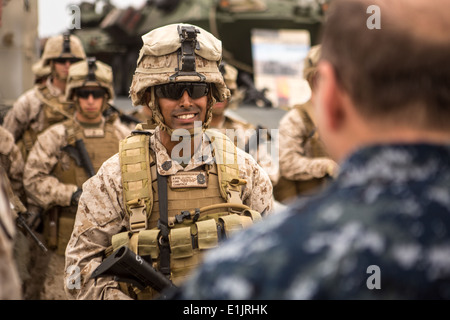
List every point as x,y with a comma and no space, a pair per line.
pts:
114,35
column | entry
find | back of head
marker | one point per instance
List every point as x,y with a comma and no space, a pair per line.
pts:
63,46
399,72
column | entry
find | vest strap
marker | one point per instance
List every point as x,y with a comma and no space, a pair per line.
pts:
135,158
163,224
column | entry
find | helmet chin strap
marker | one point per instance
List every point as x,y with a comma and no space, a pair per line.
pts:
159,119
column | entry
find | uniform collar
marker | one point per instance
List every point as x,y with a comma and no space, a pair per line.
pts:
54,91
168,166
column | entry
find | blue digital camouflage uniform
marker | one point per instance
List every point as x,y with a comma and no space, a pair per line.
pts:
388,209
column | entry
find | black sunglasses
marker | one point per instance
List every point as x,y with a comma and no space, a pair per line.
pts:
96,93
64,60
175,90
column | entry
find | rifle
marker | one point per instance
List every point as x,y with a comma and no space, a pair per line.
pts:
126,266
253,95
84,157
22,223
81,156
18,208
250,146
123,116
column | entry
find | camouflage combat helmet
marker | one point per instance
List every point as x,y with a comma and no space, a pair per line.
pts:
310,63
178,53
90,72
63,46
230,74
39,70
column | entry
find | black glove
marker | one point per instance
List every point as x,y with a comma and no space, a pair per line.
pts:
76,197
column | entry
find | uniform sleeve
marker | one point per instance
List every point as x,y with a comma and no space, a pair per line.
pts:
257,193
24,110
10,288
99,217
41,186
12,162
294,165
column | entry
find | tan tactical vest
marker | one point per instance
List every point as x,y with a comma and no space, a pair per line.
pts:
203,206
54,112
101,143
286,189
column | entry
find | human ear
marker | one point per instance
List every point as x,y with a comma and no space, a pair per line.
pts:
330,97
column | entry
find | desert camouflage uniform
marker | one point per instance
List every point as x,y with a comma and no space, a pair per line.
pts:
11,160
10,288
305,166
389,208
46,190
101,213
54,173
44,104
39,181
27,111
241,132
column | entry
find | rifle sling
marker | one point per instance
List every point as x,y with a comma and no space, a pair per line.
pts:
84,156
163,225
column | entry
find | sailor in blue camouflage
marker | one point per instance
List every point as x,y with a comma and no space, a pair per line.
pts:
388,211
381,230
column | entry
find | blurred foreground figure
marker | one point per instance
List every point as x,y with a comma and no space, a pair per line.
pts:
10,288
382,229
43,105
305,166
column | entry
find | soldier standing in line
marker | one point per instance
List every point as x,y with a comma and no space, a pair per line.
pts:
381,230
43,105
244,133
305,166
12,165
66,155
156,197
